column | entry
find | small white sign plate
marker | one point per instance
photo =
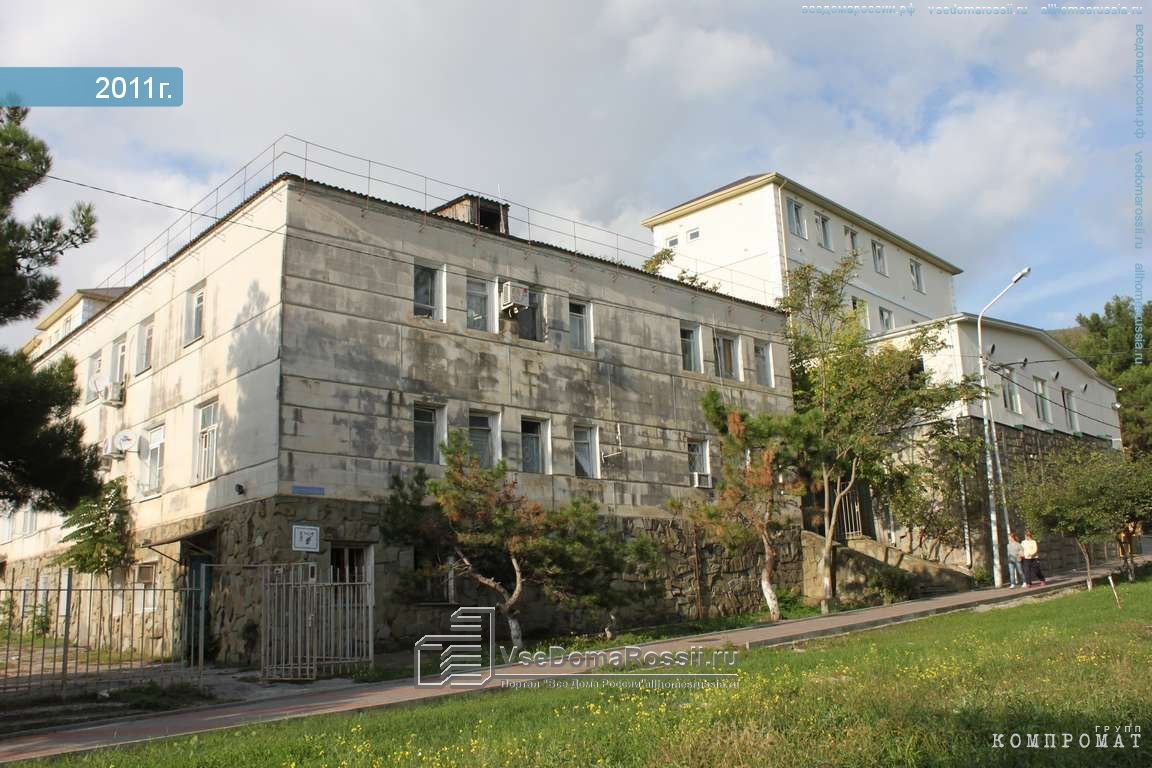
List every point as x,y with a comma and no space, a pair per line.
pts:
306,538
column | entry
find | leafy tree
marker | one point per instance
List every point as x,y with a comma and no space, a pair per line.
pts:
753,487
43,459
503,542
100,531
862,411
1086,494
1108,342
665,256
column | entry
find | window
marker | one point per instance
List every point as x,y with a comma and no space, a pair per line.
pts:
348,563
693,234
796,219
1010,393
152,461
860,307
6,524
145,593
1039,391
823,231
144,346
917,270
426,433
579,326
585,449
727,350
690,348
672,242
425,291
207,420
482,436
480,303
535,455
1069,401
91,391
852,240
879,261
31,521
887,321
194,314
698,457
762,351
530,319
119,359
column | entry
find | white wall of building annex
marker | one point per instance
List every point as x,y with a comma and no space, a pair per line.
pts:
235,364
737,247
894,290
1092,397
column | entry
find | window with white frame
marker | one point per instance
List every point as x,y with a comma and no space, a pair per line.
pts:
144,578
481,303
207,424
690,348
887,319
1070,415
796,219
762,351
5,523
194,314
879,260
580,325
1010,393
31,521
427,433
483,437
823,231
586,450
852,240
860,307
727,352
152,461
426,288
693,235
144,333
698,457
535,448
917,270
91,388
119,370
672,242
1040,392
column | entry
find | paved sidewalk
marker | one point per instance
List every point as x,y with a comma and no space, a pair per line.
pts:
361,697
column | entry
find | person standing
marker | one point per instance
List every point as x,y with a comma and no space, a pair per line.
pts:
1030,557
1015,570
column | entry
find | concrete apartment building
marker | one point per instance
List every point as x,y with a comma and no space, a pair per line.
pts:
279,370
745,236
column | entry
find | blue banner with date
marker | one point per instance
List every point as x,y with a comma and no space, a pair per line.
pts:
91,86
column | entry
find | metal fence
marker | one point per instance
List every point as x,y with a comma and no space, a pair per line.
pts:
315,621
77,631
317,162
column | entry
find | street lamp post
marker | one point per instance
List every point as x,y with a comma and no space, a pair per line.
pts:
997,576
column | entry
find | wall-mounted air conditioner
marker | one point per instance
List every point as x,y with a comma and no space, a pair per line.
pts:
513,296
113,394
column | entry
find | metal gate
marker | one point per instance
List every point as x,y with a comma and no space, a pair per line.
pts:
313,623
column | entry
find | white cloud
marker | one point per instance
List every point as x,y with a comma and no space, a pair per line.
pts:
699,61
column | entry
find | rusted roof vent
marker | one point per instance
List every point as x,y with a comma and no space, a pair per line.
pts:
480,212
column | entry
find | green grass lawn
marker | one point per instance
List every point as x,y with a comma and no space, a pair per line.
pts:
927,693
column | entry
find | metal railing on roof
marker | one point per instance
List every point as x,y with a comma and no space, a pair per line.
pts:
316,162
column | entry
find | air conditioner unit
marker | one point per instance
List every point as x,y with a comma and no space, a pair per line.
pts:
513,296
701,480
113,394
109,449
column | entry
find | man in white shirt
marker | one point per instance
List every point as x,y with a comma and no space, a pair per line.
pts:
1029,556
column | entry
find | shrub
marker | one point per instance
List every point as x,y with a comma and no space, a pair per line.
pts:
893,584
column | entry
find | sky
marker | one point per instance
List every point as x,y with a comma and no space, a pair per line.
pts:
996,142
